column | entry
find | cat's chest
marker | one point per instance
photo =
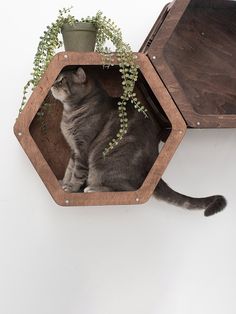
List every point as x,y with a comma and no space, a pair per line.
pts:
73,134
67,131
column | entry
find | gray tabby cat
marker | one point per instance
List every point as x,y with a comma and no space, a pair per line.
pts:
89,123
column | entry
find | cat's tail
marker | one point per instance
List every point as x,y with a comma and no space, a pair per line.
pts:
211,204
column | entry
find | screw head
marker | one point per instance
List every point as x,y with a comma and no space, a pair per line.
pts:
198,123
67,201
154,57
137,200
65,56
19,134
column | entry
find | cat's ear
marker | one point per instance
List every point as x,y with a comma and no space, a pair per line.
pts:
80,76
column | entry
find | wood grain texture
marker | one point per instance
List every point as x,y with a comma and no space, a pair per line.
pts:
48,151
195,52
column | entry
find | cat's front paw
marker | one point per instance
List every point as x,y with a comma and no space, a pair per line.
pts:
67,187
71,188
89,189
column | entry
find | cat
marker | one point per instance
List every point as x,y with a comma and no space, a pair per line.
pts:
89,122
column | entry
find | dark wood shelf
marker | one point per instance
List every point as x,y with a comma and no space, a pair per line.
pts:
193,47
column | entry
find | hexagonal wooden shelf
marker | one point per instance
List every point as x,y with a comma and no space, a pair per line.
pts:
193,46
49,152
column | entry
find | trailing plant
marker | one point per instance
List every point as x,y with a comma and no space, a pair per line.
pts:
106,31
47,46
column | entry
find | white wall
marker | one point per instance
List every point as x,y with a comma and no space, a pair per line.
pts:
148,259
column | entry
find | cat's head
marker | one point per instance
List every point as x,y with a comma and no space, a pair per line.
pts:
70,87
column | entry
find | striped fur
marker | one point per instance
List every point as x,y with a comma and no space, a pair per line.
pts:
89,123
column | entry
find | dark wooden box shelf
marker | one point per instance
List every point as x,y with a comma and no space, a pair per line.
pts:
193,48
48,150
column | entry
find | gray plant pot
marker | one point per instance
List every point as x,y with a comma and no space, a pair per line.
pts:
79,37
